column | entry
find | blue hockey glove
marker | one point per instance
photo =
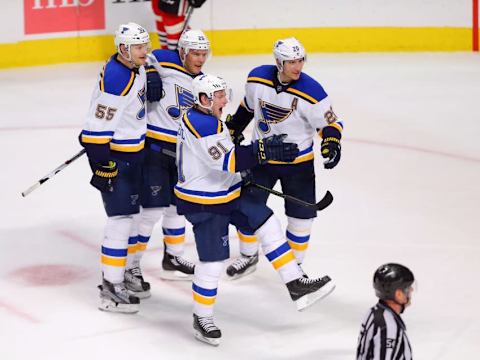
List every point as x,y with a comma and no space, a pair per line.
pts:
154,85
273,148
104,176
331,148
235,131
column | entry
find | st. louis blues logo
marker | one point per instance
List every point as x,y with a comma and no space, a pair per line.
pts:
184,101
273,114
141,98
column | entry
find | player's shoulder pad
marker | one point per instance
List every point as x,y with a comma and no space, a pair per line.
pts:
308,89
202,125
263,74
116,78
167,56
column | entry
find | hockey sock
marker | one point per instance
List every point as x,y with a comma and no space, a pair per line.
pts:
204,286
146,222
173,227
298,235
248,243
277,250
114,247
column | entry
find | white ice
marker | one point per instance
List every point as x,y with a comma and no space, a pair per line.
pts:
406,190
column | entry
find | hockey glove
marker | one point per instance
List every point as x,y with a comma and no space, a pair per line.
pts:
247,177
235,132
196,3
273,148
154,85
103,176
331,148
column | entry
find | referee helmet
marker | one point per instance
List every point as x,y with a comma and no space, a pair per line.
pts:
390,277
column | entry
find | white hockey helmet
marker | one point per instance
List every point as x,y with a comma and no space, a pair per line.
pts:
208,85
130,34
193,40
288,49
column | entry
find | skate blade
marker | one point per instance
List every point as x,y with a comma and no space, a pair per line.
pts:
175,275
245,273
111,306
308,300
209,341
140,294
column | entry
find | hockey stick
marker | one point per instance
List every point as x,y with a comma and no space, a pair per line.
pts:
188,14
53,173
319,206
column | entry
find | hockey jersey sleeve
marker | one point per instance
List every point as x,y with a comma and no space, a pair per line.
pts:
214,145
322,117
105,112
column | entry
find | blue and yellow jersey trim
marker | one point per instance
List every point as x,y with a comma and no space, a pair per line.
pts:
96,137
116,78
305,87
202,125
304,155
296,242
170,59
128,145
204,296
174,236
207,197
281,256
158,133
337,125
247,237
229,161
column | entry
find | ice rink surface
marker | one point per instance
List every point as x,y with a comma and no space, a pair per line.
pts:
406,190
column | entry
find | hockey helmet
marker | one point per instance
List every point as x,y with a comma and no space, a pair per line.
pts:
193,40
288,49
390,277
208,85
130,34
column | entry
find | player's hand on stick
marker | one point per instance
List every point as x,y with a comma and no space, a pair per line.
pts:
274,148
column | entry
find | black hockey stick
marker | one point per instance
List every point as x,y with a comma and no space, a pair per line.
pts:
53,173
319,206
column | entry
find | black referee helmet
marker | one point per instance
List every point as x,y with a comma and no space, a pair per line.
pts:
390,277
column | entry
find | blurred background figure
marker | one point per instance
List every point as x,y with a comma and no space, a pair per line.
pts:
172,18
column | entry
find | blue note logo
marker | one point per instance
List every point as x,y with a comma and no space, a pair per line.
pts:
273,114
184,101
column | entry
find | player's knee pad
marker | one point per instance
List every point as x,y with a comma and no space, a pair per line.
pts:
270,234
117,231
147,220
207,274
299,226
171,218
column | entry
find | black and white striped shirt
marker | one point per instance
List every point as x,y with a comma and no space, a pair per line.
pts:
383,336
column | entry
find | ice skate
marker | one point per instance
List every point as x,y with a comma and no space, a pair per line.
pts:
305,291
206,331
176,267
242,266
135,283
116,298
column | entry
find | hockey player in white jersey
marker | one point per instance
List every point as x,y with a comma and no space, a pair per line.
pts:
209,194
169,93
284,100
114,136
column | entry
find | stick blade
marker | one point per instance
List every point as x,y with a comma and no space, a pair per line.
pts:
325,202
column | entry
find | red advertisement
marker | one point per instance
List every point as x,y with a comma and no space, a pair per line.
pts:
49,16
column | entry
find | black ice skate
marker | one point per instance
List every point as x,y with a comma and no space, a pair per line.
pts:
116,298
135,284
206,331
242,266
176,267
305,291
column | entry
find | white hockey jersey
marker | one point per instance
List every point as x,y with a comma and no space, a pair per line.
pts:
300,109
206,161
117,113
164,116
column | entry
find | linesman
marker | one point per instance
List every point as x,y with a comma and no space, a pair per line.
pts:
383,333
